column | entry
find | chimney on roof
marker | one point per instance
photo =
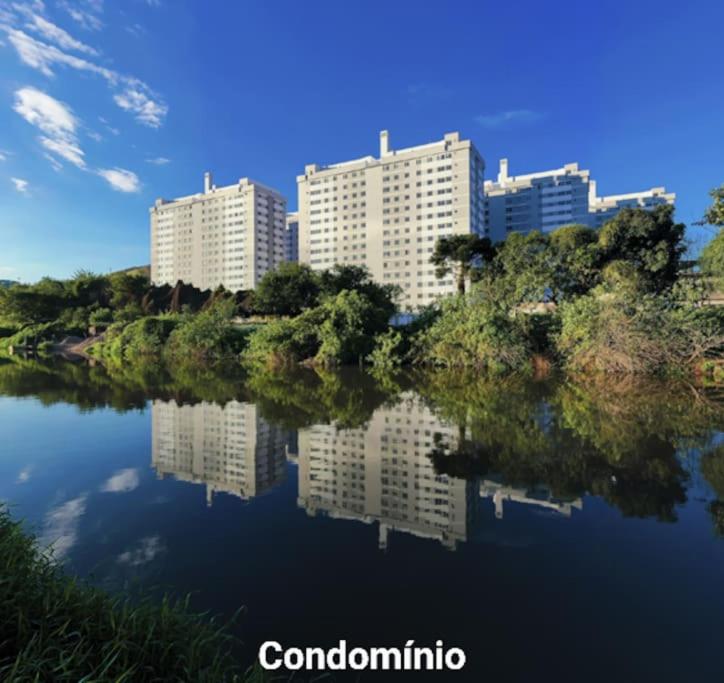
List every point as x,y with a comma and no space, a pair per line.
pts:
503,173
384,143
207,182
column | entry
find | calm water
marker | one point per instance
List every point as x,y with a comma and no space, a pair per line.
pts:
553,530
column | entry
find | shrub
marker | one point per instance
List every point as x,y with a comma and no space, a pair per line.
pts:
390,350
210,334
475,333
100,315
144,338
623,332
340,330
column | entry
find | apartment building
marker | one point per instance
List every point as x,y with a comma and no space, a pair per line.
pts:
228,449
291,242
226,236
549,199
387,212
382,473
603,209
536,201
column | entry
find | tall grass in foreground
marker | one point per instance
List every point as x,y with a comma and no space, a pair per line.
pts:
56,628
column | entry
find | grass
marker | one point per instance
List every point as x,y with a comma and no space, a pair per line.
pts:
54,627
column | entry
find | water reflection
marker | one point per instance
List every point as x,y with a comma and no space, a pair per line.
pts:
229,449
415,453
382,473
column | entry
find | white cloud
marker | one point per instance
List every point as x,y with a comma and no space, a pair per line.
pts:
20,185
95,136
505,118
59,126
146,551
4,155
60,528
158,161
53,118
85,14
138,100
120,179
44,57
136,30
24,474
57,166
132,94
122,481
50,31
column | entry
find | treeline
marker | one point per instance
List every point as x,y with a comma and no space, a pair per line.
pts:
619,299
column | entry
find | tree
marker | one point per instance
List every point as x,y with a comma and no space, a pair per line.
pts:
715,213
128,288
520,272
574,261
457,254
353,278
650,240
288,290
711,260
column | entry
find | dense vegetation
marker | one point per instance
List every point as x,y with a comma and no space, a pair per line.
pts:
617,300
53,627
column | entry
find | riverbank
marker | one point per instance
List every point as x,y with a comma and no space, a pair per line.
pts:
53,626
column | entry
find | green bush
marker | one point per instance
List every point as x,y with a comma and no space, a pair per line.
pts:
208,335
340,330
100,316
473,332
144,338
391,350
621,331
33,334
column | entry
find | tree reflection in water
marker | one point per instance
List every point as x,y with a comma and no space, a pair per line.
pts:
553,441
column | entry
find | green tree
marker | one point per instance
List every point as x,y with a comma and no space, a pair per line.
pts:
458,254
711,260
343,277
715,213
127,289
650,240
520,272
574,261
287,290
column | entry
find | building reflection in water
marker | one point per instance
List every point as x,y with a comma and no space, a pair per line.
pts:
539,496
230,448
380,473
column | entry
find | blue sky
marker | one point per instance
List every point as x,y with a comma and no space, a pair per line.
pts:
107,104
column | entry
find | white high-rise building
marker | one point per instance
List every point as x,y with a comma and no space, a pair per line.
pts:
549,199
536,201
603,209
387,212
229,449
291,244
226,236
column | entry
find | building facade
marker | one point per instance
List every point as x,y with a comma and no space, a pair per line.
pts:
387,212
549,199
603,209
291,242
536,201
226,236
